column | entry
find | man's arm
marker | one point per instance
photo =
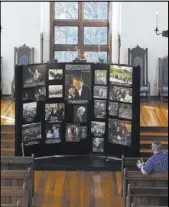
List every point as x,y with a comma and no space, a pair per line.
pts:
146,168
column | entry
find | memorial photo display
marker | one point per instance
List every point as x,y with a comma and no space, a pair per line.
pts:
77,108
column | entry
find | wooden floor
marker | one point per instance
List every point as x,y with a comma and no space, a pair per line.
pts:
83,189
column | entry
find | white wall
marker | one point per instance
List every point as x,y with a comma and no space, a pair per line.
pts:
138,24
22,23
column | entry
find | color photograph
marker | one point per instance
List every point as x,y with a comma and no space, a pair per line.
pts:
117,93
55,74
100,77
55,91
72,133
121,75
54,112
53,133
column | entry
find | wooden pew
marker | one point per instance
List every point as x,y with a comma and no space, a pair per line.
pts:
18,204
16,178
137,179
147,196
133,205
18,163
10,195
131,164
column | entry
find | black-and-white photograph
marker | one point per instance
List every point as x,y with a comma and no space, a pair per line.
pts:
119,132
80,113
55,91
73,133
34,76
83,130
29,111
125,110
54,112
113,108
27,95
31,133
98,144
117,93
98,128
121,75
100,109
39,94
53,133
100,92
101,77
78,82
55,74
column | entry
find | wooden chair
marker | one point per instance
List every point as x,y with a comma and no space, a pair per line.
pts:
163,78
23,55
17,178
19,163
139,56
131,164
147,196
18,204
137,179
10,195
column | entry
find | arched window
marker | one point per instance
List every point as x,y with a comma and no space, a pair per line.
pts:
82,25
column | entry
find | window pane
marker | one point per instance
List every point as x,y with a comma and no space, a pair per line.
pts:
94,56
66,35
65,56
95,35
96,10
66,10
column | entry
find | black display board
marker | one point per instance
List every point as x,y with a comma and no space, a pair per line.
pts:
77,109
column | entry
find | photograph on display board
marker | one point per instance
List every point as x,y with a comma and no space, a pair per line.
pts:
98,144
125,110
117,93
27,95
55,91
80,113
83,132
100,109
53,133
100,92
36,94
34,75
78,82
121,75
101,77
73,133
31,133
119,132
98,128
54,112
55,74
113,108
29,111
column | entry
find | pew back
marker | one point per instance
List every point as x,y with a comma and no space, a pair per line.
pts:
12,205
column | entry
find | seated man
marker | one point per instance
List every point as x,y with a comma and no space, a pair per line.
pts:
157,163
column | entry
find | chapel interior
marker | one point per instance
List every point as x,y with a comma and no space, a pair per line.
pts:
123,33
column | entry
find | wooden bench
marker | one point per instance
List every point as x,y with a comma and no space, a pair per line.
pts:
12,205
137,179
147,196
15,178
10,195
18,163
131,164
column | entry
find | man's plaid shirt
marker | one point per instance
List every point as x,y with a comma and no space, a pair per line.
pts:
157,163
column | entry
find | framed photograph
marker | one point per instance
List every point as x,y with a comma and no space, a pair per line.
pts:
119,132
113,108
125,110
100,92
100,77
83,134
53,133
55,74
54,112
118,93
98,144
121,75
80,113
73,133
34,76
98,128
39,94
31,133
55,91
29,111
27,95
100,109
78,82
